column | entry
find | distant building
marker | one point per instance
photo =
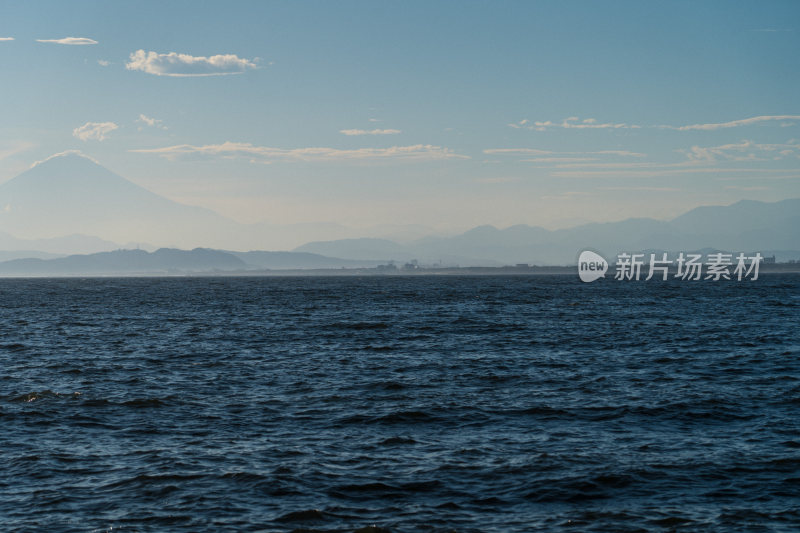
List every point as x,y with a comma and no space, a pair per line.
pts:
769,260
411,265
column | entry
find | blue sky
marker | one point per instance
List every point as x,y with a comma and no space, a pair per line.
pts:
446,114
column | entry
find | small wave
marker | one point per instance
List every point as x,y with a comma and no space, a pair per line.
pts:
14,347
359,325
43,395
372,529
311,515
397,417
382,490
391,441
149,402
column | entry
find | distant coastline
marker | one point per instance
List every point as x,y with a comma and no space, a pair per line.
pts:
519,270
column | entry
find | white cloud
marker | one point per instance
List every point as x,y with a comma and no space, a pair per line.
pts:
571,123
103,62
517,151
152,122
69,40
66,152
744,151
560,159
536,152
232,150
94,130
370,132
6,38
184,65
732,123
665,171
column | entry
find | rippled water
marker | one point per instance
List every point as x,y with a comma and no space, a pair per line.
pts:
410,403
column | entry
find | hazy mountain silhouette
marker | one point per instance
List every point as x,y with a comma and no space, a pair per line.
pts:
298,260
70,194
171,261
743,226
162,261
68,244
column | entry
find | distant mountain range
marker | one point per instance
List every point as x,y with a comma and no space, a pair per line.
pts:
70,194
94,209
744,226
171,261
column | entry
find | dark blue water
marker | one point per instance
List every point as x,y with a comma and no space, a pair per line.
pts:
411,403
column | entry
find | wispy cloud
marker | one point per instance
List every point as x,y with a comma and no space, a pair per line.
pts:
551,160
744,151
65,152
665,170
103,62
94,130
18,147
6,39
537,152
517,151
370,132
590,123
185,65
732,123
69,40
151,122
571,123
232,150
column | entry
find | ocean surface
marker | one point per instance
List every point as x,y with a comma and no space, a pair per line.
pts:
419,404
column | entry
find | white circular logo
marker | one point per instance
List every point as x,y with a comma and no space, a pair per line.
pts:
591,266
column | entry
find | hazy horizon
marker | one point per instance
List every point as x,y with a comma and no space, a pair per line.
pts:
444,116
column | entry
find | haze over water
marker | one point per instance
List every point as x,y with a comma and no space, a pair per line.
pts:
413,403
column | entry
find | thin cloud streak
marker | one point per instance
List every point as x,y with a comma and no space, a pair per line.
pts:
591,123
232,150
744,151
370,132
66,152
732,124
571,123
17,148
753,172
534,151
69,40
